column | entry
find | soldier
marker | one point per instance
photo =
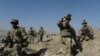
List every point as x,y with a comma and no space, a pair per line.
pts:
67,33
85,31
31,35
41,34
18,35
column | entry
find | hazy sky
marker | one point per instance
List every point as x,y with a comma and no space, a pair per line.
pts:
46,13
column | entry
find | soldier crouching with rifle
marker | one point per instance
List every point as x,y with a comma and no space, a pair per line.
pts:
86,31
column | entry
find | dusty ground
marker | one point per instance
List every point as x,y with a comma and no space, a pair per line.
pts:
51,46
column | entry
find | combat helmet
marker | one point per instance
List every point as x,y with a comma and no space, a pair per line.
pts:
84,22
14,21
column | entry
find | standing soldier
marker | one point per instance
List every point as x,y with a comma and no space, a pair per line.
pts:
31,35
67,34
17,35
41,34
85,31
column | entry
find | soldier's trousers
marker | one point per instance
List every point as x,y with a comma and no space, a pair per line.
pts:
41,38
66,41
31,39
17,50
82,38
85,37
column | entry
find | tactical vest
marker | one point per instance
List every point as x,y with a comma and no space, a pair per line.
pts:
16,35
66,31
85,30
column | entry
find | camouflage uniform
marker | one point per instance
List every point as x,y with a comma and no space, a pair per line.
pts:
31,35
17,36
67,34
41,34
85,32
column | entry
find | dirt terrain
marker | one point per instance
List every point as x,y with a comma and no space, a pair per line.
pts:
51,46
